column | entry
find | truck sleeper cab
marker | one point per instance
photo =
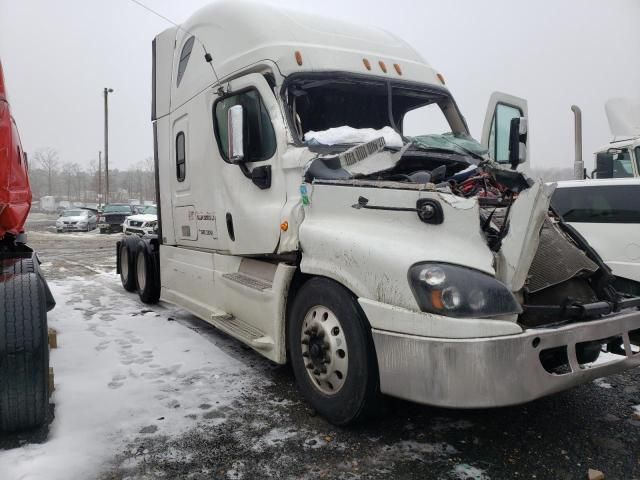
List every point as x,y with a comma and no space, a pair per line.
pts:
320,199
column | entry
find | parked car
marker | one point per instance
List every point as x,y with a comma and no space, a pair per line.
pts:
113,216
144,223
76,220
607,214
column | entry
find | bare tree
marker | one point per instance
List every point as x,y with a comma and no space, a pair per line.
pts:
48,159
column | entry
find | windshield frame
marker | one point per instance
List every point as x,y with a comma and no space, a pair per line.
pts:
365,79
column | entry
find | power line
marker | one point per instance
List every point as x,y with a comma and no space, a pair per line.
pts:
207,56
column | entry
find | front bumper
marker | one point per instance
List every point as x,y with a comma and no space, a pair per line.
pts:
114,227
137,230
495,371
71,228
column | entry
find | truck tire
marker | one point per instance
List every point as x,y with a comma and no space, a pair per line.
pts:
127,264
332,353
24,353
147,275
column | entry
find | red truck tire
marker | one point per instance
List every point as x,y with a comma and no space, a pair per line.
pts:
24,352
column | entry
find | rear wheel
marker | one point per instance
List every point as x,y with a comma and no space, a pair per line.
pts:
127,265
24,353
332,353
147,278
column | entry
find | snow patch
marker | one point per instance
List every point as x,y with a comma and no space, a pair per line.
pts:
467,472
601,383
120,376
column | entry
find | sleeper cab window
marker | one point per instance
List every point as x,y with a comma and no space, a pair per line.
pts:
181,160
259,136
499,133
184,59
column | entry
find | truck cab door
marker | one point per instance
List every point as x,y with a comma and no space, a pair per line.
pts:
253,190
501,110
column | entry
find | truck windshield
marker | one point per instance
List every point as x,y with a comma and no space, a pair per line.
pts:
318,103
117,209
615,163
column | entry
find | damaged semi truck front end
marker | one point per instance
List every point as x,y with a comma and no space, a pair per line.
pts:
321,200
477,293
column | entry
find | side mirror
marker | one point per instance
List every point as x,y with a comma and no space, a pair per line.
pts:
235,134
604,165
518,141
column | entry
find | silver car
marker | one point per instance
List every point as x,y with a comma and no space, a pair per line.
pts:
76,220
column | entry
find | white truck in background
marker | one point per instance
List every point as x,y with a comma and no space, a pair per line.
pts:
320,199
605,208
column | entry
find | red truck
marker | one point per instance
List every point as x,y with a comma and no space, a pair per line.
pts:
25,297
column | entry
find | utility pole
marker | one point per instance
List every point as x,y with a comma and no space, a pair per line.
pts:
99,179
107,91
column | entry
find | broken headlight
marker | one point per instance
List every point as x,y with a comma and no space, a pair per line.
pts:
460,292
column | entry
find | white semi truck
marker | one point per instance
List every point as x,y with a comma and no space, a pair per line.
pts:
320,199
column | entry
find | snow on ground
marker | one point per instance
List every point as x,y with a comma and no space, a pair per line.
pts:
120,371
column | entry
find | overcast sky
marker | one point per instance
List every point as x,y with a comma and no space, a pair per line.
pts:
58,56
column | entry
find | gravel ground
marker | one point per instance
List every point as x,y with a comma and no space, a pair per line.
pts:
266,431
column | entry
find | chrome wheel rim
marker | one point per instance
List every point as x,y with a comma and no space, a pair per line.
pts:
324,350
124,262
141,271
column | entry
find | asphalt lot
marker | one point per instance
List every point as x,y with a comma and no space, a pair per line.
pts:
264,430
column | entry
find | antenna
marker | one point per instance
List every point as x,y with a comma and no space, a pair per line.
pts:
207,56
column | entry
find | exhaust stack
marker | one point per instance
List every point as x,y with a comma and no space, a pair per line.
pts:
578,165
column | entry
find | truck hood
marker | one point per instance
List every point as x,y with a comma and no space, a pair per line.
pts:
143,217
370,250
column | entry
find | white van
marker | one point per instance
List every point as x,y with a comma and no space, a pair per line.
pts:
607,214
321,200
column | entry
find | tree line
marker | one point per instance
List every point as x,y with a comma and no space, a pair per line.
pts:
49,175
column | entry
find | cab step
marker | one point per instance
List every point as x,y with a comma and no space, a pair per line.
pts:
243,331
248,281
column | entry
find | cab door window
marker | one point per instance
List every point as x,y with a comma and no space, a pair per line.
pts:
181,158
260,137
499,134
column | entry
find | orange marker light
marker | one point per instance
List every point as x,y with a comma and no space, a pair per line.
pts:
398,69
367,64
284,226
298,57
436,299
383,67
440,77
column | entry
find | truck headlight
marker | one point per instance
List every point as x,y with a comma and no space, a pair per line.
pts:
153,224
460,292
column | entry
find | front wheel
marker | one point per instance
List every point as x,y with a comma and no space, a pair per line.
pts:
332,352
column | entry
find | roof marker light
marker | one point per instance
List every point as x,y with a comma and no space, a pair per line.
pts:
298,57
383,67
398,69
440,77
367,64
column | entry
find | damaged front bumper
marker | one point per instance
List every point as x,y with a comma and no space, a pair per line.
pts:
497,371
